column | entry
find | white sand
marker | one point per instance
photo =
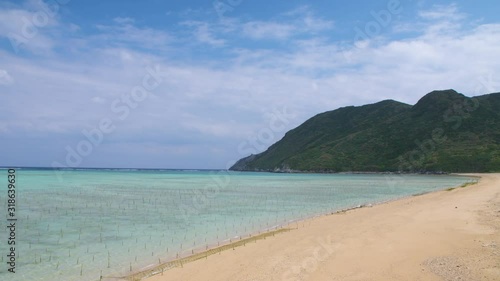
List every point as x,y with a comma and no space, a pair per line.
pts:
444,235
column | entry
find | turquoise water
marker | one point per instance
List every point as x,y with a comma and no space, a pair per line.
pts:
81,224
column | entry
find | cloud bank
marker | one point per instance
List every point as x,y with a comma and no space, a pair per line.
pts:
222,81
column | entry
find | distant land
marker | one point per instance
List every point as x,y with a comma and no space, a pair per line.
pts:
444,131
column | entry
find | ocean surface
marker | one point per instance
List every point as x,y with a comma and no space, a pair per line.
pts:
87,223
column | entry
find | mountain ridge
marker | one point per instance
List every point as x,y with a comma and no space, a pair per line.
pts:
444,131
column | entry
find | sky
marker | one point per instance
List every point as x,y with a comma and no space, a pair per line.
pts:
200,84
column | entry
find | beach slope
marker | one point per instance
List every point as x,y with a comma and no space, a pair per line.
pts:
446,235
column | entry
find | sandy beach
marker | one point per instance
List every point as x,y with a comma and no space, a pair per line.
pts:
445,235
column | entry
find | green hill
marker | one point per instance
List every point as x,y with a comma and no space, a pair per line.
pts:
444,132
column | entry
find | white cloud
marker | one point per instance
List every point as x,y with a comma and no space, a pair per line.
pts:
126,33
121,20
298,21
29,27
443,12
267,30
5,78
316,24
307,20
403,69
439,20
314,77
204,33
305,24
218,102
16,26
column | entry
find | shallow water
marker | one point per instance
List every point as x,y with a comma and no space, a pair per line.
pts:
81,224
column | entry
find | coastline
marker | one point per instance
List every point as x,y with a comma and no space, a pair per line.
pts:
316,243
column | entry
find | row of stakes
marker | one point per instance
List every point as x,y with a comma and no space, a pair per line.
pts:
77,211
38,259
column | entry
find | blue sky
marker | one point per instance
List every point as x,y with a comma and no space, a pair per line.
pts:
200,84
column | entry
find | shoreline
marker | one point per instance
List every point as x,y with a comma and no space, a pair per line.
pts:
289,235
153,270
160,269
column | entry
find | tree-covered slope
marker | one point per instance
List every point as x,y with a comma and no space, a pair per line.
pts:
444,131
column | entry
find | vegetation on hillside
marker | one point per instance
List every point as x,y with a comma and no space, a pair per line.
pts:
444,132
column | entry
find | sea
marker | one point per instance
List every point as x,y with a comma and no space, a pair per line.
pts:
104,224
